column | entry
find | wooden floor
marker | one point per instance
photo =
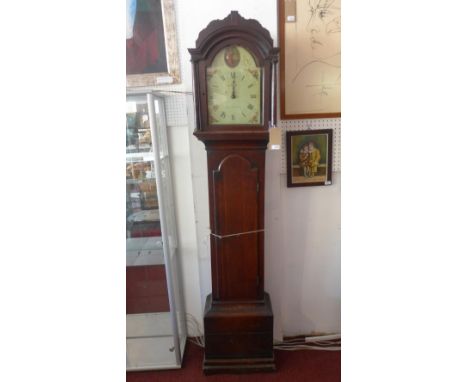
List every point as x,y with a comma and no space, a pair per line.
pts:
297,366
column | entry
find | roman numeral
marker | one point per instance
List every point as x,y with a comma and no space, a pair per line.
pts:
253,96
251,85
223,115
250,106
223,78
232,117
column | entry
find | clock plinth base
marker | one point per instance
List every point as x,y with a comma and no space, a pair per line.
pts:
238,365
238,336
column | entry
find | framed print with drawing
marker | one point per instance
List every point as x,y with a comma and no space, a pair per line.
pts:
152,56
309,157
310,60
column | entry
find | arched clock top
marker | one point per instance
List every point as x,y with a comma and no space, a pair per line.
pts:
221,33
234,69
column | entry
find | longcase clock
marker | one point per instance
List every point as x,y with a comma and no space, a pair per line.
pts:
233,64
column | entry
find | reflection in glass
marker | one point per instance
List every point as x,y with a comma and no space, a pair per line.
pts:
150,334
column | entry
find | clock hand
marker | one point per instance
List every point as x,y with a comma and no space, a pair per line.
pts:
233,75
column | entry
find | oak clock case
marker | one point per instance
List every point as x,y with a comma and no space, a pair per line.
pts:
233,62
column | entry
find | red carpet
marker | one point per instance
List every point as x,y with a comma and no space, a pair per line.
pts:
303,365
147,289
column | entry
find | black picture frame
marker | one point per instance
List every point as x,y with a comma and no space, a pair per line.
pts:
309,157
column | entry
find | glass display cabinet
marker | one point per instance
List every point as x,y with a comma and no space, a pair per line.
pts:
156,329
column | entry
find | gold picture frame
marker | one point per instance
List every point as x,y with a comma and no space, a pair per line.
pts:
152,54
310,58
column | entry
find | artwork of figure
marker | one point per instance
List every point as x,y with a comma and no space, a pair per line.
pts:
232,56
145,37
309,157
313,58
314,159
304,160
324,21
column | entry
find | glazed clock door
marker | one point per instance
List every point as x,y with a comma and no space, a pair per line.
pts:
236,205
234,84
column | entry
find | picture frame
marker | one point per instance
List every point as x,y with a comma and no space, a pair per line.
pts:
151,44
309,157
310,58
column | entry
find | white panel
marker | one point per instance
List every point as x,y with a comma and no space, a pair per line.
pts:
176,110
180,129
149,324
151,353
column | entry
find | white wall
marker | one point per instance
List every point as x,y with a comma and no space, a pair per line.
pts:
302,253
302,256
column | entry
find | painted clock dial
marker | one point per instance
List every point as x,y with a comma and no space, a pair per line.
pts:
234,84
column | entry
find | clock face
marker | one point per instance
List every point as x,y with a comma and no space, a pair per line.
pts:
234,84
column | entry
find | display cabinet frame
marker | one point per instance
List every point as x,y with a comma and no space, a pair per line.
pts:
163,179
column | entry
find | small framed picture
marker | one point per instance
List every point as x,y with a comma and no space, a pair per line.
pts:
309,157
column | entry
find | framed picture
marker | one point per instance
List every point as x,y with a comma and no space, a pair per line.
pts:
310,58
152,55
309,157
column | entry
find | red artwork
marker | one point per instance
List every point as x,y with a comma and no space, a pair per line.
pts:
145,41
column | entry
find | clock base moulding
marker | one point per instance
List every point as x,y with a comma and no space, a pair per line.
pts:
238,337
